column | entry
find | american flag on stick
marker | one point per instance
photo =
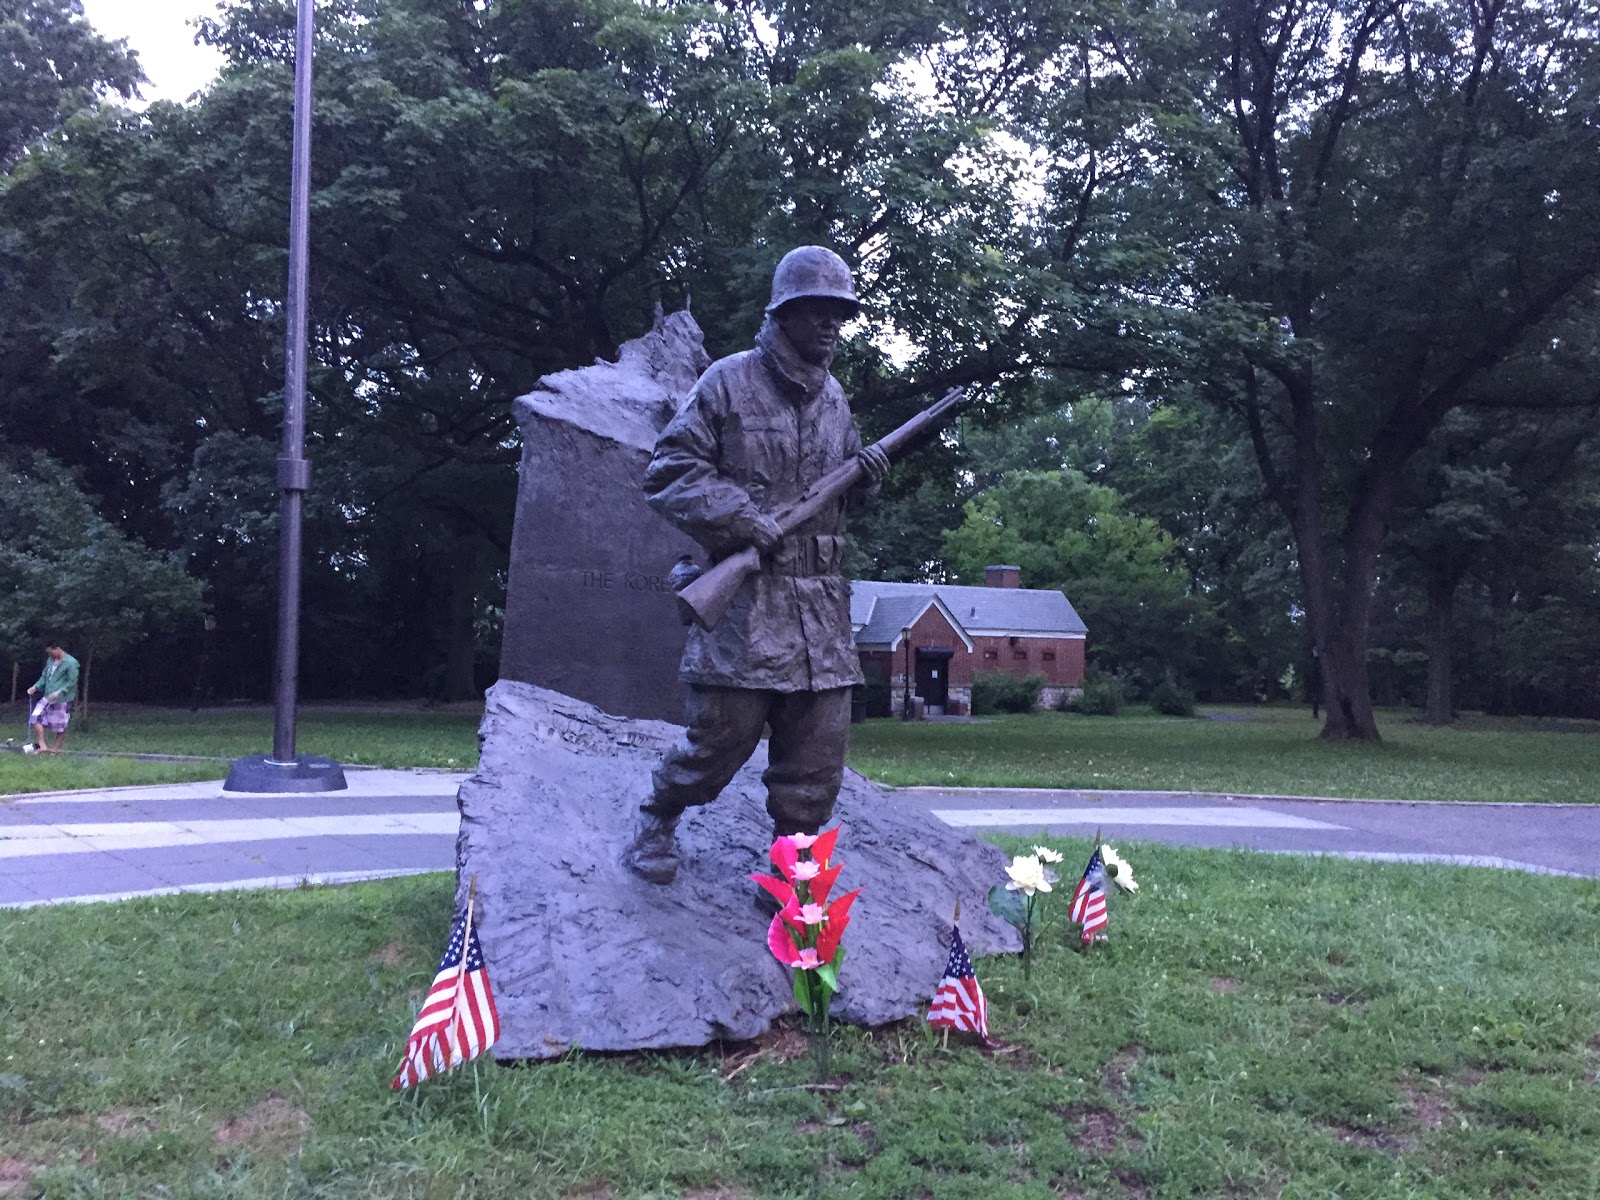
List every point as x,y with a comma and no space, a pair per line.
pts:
1089,900
458,1020
959,1002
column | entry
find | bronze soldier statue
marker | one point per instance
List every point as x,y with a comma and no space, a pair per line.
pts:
756,431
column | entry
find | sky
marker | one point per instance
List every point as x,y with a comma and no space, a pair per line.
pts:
163,34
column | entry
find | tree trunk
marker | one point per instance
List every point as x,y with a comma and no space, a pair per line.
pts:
83,687
460,634
1440,622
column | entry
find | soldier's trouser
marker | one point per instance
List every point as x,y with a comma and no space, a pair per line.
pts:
805,754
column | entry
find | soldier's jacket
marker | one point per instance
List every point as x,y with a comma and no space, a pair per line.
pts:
756,431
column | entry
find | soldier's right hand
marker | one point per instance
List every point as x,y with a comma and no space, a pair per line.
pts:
759,530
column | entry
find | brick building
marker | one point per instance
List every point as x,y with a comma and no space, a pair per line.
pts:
938,635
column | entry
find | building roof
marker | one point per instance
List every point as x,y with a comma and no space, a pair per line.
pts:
879,611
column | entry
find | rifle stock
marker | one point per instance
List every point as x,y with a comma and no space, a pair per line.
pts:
706,600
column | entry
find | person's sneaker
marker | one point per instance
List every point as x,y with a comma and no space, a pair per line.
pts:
652,855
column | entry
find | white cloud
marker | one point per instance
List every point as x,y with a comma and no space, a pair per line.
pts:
163,32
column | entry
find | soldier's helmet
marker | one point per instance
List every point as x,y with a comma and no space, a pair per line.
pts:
812,271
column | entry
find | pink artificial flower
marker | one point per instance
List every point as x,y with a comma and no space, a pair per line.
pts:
781,942
833,928
784,856
813,914
802,841
822,845
780,890
806,871
807,960
823,883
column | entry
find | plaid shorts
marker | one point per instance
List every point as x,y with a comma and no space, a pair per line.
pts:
53,717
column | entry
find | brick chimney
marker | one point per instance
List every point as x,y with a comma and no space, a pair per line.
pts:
1003,577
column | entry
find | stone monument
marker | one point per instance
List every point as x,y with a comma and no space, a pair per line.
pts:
583,953
589,604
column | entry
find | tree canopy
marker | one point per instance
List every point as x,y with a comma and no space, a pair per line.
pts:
1269,305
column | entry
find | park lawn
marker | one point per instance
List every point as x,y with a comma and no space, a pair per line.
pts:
1273,751
1259,1026
376,737
20,773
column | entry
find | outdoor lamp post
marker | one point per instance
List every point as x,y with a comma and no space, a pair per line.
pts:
283,770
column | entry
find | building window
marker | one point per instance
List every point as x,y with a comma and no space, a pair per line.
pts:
1049,656
1020,655
991,655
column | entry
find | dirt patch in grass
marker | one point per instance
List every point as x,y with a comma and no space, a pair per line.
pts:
14,1176
1097,1130
592,1191
1114,1075
1224,984
275,1123
1429,1105
125,1121
391,955
1133,1186
1372,1139
720,1192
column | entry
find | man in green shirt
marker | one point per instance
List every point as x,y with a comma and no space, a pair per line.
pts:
58,689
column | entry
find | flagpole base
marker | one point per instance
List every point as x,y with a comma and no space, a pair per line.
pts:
307,773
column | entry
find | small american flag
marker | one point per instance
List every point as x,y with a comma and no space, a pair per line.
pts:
959,1002
458,1020
1089,901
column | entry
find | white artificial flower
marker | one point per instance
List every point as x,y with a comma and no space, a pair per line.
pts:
1027,875
1046,855
1119,870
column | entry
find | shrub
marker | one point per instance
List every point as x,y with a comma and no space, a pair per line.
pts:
1101,698
1172,700
993,692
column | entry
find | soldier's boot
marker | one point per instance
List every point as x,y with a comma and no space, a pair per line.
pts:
652,855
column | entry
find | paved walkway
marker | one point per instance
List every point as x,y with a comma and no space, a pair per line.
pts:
123,842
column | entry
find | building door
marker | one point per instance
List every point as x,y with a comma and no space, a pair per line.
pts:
933,678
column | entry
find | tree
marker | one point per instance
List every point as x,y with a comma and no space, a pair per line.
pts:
1393,212
1484,482
1121,572
64,570
52,65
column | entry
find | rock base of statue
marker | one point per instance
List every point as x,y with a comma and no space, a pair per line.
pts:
582,953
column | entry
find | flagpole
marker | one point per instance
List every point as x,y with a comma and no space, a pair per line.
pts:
283,770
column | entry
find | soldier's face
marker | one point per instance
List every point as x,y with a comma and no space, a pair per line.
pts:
812,325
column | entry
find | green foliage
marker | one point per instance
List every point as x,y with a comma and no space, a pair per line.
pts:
55,66
1171,700
1366,1019
1101,698
65,570
1121,572
997,692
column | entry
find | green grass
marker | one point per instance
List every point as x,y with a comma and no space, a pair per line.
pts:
1276,751
379,738
59,773
1261,1026
375,738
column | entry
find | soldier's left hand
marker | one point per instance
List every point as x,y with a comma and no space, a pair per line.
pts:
876,463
